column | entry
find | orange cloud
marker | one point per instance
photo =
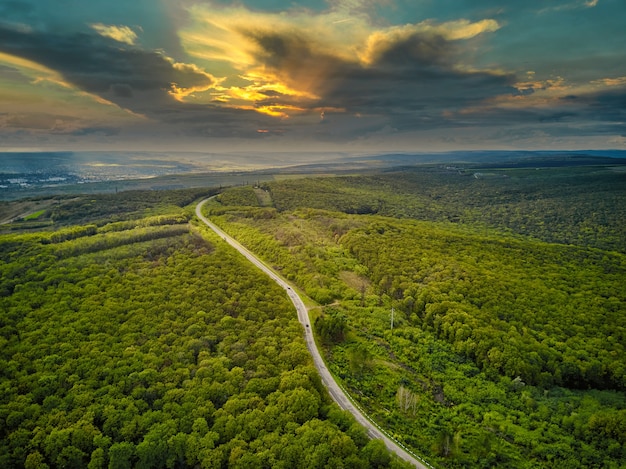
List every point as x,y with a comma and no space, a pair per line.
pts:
37,72
618,81
278,110
119,33
42,99
290,59
180,93
381,40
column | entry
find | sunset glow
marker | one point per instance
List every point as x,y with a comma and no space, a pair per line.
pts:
369,74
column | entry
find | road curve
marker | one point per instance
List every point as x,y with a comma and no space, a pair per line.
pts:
335,391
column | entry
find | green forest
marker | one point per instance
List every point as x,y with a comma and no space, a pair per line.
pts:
478,316
133,337
509,329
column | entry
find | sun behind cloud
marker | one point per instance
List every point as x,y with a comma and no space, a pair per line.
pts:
284,63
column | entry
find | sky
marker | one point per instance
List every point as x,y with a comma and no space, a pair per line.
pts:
318,75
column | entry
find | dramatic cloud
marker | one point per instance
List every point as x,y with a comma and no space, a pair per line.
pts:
96,65
605,105
352,72
379,42
297,64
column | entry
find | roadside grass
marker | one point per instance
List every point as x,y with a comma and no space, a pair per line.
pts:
35,215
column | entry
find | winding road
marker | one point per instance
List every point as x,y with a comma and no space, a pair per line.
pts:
336,392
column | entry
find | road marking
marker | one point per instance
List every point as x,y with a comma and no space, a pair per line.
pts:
336,391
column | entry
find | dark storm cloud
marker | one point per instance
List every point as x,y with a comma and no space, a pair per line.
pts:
600,113
417,74
134,79
304,74
414,88
196,120
607,105
413,81
291,52
122,90
103,66
295,59
422,49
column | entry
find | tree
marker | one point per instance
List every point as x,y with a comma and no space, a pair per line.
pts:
71,457
121,455
299,404
407,400
98,459
332,326
35,461
376,454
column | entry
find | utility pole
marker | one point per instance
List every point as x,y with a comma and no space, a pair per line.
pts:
392,318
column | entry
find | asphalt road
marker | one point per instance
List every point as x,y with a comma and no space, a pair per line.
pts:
335,391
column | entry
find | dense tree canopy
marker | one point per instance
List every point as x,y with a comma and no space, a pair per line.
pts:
579,205
150,343
131,337
507,350
519,308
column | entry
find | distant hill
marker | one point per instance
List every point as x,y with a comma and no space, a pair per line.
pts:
24,174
